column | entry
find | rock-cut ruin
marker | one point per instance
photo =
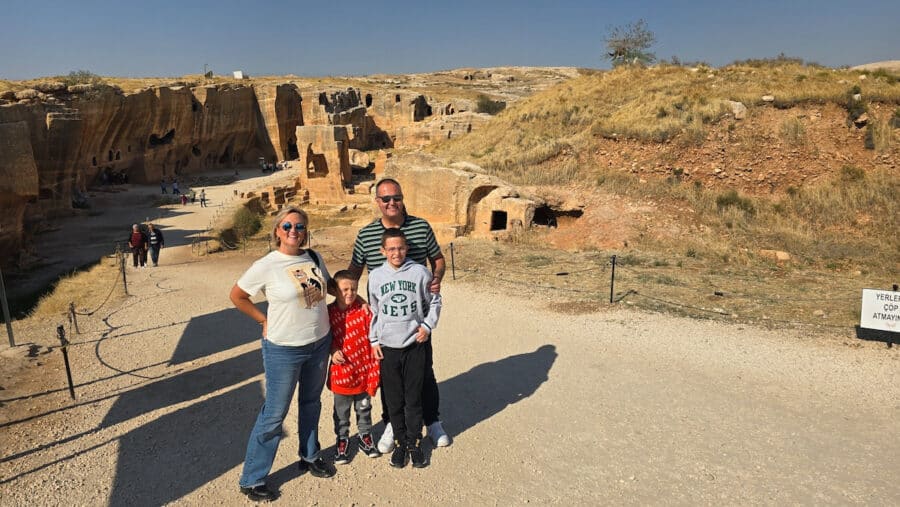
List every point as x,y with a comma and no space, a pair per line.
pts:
57,141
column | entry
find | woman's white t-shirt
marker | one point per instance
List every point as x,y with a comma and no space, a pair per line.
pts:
295,287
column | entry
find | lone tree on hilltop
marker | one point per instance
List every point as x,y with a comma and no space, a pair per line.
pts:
629,44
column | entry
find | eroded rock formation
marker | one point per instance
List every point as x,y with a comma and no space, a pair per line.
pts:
58,141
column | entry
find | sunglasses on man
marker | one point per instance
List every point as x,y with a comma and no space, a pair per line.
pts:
388,198
287,226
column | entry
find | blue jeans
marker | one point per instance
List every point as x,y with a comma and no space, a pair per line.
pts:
285,368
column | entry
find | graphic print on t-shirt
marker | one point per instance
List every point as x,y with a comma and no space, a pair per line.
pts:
309,283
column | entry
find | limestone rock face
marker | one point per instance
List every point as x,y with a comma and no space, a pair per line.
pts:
18,184
67,139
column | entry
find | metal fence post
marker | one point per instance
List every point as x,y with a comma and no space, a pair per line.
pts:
6,317
64,344
73,317
452,261
612,279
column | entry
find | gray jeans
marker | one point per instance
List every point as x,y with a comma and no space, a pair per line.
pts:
363,405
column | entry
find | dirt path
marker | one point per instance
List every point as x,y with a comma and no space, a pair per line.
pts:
603,408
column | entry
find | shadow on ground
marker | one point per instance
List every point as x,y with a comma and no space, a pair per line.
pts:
174,455
469,398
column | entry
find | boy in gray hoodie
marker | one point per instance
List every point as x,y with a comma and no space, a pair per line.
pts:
405,312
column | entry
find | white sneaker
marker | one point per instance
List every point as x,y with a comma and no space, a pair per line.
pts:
386,442
437,435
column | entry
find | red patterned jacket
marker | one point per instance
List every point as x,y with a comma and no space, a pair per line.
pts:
361,371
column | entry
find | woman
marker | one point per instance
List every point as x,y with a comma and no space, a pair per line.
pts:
295,345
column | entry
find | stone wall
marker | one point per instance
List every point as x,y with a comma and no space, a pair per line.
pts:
458,202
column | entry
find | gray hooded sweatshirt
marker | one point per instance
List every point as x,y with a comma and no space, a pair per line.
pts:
401,302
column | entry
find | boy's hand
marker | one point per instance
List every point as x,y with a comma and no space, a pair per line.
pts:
337,357
423,335
376,351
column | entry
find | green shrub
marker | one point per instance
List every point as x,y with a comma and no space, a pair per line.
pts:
731,198
485,104
850,173
246,223
81,77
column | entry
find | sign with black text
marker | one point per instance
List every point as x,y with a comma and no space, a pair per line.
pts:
880,310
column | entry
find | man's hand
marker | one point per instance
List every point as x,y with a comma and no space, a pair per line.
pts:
337,357
376,351
423,335
435,287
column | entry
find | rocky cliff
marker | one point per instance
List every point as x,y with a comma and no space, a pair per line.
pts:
57,141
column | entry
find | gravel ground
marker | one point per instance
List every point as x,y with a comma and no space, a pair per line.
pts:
612,407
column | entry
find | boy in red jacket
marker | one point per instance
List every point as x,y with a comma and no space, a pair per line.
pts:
354,371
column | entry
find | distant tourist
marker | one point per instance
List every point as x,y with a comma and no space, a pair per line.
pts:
193,196
296,339
137,242
156,242
202,197
162,185
175,186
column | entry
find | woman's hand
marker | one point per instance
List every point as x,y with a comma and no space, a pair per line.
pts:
337,357
242,302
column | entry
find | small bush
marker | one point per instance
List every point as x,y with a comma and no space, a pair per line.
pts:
851,173
246,223
485,104
81,77
732,199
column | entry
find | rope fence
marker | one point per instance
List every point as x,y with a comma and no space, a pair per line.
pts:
660,285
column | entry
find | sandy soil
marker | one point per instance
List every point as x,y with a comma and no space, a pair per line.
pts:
609,407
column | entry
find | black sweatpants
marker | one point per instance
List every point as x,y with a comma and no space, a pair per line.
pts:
431,397
403,373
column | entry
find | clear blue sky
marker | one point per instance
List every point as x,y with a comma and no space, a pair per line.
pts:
347,37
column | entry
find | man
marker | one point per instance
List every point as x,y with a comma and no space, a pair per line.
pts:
155,237
423,248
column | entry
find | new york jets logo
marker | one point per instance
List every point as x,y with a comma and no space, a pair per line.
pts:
398,298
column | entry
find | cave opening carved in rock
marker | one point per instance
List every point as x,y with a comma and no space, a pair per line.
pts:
167,138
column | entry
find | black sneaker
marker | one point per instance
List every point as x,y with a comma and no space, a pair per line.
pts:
318,468
416,455
367,445
259,493
398,457
340,455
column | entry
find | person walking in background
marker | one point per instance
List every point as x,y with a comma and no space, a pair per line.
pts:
156,241
138,244
162,184
193,196
296,339
175,190
202,197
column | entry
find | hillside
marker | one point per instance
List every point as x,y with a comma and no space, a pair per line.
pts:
809,169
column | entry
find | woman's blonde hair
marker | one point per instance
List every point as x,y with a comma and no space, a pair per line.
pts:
280,217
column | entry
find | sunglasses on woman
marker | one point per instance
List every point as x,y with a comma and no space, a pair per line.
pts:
287,226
